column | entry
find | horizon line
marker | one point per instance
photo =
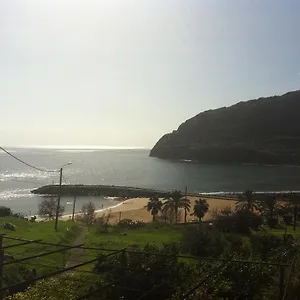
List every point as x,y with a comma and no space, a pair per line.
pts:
78,147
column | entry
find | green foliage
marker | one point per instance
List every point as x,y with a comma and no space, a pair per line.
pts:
39,231
247,201
174,202
200,208
154,206
66,287
143,272
8,226
47,208
265,245
129,224
248,132
88,213
197,241
238,222
5,211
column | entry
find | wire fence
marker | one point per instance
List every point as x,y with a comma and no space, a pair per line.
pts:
16,254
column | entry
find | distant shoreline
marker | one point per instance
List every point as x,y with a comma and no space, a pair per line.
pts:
125,192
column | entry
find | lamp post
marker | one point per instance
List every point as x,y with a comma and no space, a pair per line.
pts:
59,194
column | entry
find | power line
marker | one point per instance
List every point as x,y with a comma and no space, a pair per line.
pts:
28,165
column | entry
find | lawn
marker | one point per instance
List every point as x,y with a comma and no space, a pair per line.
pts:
44,231
123,238
118,238
281,232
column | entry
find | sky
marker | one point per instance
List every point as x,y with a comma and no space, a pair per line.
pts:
125,72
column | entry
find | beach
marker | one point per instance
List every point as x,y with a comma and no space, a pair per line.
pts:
136,209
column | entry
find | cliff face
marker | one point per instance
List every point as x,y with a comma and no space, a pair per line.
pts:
266,130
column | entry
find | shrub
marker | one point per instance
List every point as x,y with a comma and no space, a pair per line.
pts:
128,223
265,245
239,222
8,226
199,242
5,211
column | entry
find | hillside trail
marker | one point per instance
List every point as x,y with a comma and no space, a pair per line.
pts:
77,254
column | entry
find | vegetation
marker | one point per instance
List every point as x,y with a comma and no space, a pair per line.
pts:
229,259
88,215
47,208
247,201
173,202
99,190
200,208
154,206
5,211
186,205
248,132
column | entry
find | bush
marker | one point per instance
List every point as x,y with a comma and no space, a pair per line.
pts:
265,245
47,208
5,211
8,226
197,241
128,223
272,222
239,222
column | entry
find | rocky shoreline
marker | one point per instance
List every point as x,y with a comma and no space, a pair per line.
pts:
99,190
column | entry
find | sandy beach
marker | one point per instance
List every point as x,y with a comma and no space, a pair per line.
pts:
136,210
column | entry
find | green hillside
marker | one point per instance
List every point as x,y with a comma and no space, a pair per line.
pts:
261,131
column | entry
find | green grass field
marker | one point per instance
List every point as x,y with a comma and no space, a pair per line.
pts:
39,231
281,232
117,238
124,238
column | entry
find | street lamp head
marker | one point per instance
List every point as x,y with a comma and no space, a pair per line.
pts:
69,163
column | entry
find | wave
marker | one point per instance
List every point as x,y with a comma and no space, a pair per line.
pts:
22,175
240,193
15,193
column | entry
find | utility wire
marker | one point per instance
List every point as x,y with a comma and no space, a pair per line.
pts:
29,165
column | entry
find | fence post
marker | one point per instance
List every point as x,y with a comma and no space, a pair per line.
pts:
1,265
123,259
281,282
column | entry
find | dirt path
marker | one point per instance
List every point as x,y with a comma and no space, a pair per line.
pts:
77,254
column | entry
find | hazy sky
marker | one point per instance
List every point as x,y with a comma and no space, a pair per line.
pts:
123,73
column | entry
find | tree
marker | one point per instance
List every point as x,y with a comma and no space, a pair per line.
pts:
294,202
58,287
271,208
154,206
174,202
186,206
47,208
88,211
200,208
246,201
5,211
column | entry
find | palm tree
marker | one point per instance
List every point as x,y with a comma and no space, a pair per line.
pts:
154,205
295,204
246,201
200,208
174,202
186,206
271,207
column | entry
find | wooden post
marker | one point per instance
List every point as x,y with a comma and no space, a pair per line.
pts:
58,199
1,264
185,210
74,205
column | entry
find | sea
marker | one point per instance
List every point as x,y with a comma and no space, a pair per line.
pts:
128,167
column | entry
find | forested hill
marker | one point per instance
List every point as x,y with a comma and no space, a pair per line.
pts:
264,131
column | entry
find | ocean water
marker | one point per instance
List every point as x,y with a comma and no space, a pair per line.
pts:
129,168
